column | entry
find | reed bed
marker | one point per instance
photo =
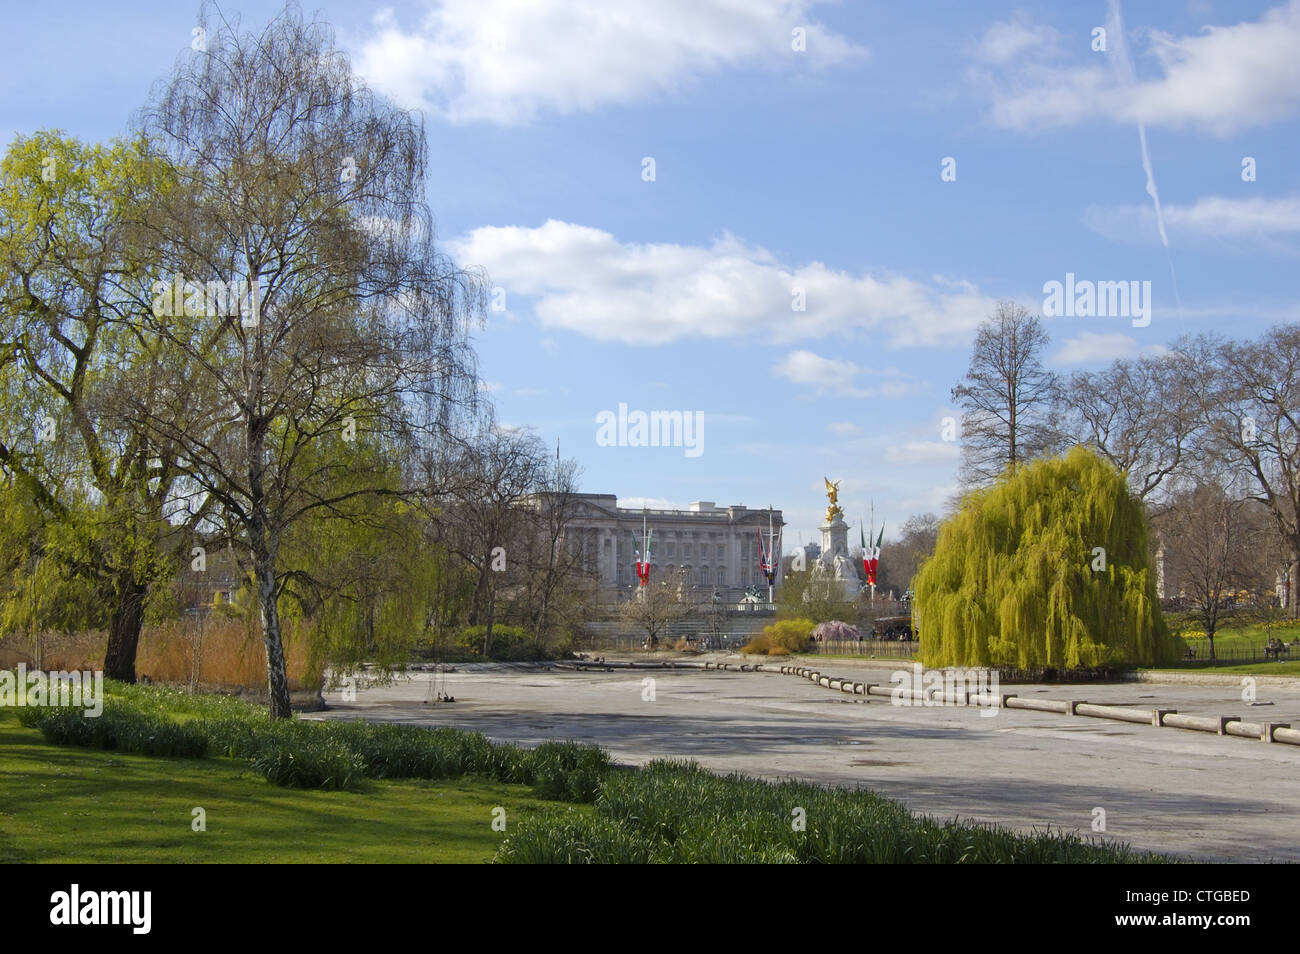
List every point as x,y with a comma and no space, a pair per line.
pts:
222,654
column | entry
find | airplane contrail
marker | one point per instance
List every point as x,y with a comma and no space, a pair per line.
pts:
1128,75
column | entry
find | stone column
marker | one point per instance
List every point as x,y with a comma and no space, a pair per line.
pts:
835,539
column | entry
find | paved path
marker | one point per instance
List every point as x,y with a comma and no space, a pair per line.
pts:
1188,793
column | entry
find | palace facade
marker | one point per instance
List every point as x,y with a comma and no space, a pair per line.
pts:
717,546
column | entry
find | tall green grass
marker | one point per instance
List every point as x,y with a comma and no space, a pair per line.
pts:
116,728
673,813
304,754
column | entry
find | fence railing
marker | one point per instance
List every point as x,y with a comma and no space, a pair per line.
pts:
1232,654
624,642
868,647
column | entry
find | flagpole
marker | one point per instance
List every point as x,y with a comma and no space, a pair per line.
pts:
771,556
873,552
643,561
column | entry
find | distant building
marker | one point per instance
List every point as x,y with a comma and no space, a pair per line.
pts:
802,557
717,546
218,581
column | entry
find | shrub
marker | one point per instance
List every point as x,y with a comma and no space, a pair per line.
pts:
509,644
794,634
787,635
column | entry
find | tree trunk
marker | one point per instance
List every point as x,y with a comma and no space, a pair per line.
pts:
476,601
124,631
1292,596
487,634
539,622
277,679
264,541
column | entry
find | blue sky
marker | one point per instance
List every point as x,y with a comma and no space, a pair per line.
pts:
779,169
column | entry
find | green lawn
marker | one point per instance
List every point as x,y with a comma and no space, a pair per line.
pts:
65,804
1238,638
1289,667
1244,635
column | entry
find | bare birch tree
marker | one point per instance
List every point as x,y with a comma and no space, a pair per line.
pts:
302,284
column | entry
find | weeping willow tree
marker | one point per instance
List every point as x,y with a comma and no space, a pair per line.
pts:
1046,568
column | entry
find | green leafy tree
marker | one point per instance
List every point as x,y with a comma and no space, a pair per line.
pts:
72,343
1046,568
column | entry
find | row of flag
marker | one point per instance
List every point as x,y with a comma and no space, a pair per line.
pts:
768,554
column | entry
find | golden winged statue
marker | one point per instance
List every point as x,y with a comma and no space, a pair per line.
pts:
833,495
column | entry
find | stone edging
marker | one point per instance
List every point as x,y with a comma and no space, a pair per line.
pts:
1159,718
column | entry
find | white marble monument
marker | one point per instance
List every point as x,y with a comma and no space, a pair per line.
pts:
835,557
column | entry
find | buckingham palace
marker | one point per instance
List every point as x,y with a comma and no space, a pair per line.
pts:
717,546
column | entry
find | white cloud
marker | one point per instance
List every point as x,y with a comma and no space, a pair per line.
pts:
586,280
1016,38
504,61
830,376
1216,218
844,428
922,452
1224,79
804,367
1091,346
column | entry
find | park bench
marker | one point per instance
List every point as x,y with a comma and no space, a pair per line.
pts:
1276,652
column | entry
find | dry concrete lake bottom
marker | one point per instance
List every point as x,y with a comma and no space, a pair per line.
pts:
1200,796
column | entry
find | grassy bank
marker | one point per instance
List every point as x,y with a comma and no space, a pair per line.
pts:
371,792
73,805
